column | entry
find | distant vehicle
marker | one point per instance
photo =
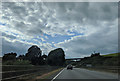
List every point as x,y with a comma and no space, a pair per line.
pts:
69,67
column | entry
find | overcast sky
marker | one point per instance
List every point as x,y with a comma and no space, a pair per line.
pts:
79,28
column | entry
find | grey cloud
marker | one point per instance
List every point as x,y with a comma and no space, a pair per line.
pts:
59,18
19,48
68,14
104,40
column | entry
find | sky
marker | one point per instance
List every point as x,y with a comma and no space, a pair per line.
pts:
79,28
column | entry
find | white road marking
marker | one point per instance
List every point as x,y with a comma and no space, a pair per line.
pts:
57,75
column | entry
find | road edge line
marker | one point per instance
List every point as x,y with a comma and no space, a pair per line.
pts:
57,75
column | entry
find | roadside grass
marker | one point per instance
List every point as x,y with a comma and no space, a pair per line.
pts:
106,63
38,77
114,54
16,62
103,70
45,76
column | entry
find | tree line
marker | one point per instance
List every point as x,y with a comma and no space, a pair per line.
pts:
34,56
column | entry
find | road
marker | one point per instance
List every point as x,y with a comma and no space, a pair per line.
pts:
78,73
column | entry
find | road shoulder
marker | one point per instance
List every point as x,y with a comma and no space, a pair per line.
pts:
48,76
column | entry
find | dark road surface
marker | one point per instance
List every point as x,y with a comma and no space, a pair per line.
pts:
78,73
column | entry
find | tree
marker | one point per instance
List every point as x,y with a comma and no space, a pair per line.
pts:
9,56
33,52
56,57
44,57
34,55
21,57
95,54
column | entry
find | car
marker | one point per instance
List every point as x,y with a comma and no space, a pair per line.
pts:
69,67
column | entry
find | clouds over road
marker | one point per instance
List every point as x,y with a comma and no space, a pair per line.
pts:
83,27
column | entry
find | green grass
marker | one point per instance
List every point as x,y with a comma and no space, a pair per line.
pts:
114,54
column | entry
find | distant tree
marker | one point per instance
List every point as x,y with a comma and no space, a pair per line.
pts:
95,54
21,57
44,57
9,56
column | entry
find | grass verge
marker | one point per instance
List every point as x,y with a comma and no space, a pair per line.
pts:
37,77
45,76
103,70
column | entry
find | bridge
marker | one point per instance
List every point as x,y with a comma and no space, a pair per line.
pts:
74,59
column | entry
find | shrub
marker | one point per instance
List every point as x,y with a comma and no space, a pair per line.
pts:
8,62
22,62
17,62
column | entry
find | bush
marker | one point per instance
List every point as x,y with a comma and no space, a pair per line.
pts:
22,62
8,62
111,62
17,62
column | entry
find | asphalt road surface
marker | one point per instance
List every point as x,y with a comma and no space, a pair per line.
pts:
78,73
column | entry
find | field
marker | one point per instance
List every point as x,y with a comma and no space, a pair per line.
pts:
14,72
114,54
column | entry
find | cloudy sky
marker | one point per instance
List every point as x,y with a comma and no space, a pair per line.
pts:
78,27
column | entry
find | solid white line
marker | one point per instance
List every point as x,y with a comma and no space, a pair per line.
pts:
57,75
